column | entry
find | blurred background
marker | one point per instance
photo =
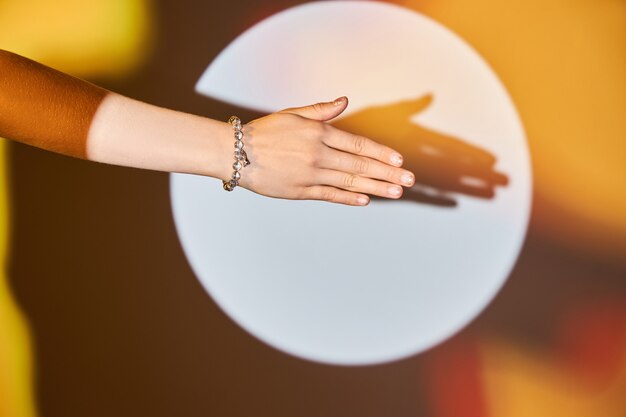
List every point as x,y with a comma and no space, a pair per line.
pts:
101,314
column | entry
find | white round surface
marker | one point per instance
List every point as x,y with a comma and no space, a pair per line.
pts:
357,285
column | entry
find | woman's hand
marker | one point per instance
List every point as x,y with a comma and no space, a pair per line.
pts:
294,154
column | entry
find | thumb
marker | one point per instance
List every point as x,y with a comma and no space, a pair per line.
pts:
322,111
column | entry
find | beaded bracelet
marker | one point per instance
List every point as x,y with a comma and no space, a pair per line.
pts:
240,156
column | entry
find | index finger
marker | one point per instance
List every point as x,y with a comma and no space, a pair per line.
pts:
360,145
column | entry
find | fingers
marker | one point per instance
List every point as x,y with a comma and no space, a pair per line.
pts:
321,111
360,145
335,195
365,167
352,182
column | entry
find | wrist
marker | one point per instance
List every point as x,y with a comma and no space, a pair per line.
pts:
215,151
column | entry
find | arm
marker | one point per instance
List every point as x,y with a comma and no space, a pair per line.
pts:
294,154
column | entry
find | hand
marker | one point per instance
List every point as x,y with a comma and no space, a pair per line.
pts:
294,154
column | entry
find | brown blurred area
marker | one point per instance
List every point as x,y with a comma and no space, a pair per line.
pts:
122,327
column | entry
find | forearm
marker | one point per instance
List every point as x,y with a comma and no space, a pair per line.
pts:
131,133
54,111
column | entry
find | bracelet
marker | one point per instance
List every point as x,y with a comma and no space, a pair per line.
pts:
240,156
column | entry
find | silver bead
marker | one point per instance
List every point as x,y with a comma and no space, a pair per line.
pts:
238,144
236,175
239,135
237,166
234,120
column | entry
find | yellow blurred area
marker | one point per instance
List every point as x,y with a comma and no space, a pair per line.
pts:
15,353
564,63
102,38
522,383
84,38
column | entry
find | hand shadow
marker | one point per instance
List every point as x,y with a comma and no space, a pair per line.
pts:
442,164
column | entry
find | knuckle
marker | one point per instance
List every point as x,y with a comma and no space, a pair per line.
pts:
314,158
359,144
391,175
317,130
306,193
324,128
349,180
318,108
329,194
360,165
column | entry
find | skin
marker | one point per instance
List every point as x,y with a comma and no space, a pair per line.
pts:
44,107
294,153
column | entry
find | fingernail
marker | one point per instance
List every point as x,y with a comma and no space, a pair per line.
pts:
339,101
395,191
363,200
407,179
396,158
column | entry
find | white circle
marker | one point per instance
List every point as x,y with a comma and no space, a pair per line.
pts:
357,285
